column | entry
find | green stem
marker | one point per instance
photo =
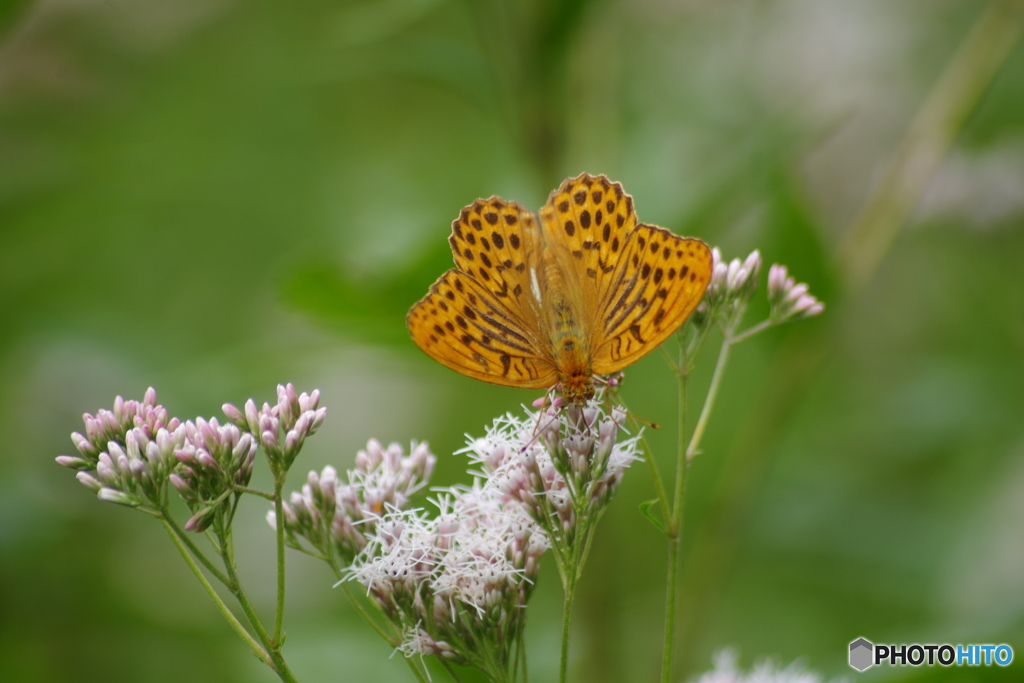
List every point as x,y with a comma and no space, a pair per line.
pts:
692,350
674,525
670,607
393,642
224,610
181,536
589,531
273,647
256,492
750,332
416,670
522,656
709,402
570,589
450,669
681,459
279,526
366,615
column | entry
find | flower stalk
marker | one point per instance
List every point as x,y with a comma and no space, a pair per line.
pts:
135,454
723,307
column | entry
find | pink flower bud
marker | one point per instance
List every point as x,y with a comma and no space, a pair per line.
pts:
252,416
752,264
796,292
318,419
106,470
199,521
72,461
734,274
363,462
186,455
110,421
137,468
114,496
163,440
286,403
292,442
115,451
302,424
233,414
393,457
82,444
243,447
180,484
153,454
269,440
375,453
776,280
206,460
88,480
310,401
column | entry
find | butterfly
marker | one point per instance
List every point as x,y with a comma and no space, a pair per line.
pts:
585,290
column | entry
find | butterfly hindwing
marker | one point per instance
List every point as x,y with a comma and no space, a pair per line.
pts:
463,326
656,285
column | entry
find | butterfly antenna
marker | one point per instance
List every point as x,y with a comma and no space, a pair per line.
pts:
610,384
652,425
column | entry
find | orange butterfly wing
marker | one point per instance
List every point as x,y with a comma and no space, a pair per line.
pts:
635,283
656,285
482,319
632,285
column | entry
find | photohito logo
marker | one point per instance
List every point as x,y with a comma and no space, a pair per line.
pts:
864,654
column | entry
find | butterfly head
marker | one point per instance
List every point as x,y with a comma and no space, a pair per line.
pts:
577,388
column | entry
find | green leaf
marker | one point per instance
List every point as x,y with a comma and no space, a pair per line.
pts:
645,510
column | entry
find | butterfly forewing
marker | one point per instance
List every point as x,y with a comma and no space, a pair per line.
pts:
657,283
481,319
591,218
497,243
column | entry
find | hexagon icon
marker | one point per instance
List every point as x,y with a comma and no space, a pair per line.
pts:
861,651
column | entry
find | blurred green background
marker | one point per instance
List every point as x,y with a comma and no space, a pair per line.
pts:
214,196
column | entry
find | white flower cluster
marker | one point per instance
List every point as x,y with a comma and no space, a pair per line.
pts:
214,457
283,427
732,286
726,671
130,454
456,585
336,518
127,454
561,464
789,300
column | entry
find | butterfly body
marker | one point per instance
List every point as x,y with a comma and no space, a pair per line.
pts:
571,346
585,290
